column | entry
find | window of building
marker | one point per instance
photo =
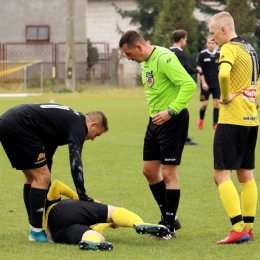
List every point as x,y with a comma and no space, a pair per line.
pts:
37,33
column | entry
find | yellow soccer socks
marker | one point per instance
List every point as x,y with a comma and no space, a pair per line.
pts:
231,203
100,228
249,198
125,218
91,238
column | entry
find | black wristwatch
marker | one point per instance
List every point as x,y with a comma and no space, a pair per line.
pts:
170,112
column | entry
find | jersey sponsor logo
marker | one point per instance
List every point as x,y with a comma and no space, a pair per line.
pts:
41,158
149,79
168,60
251,118
207,59
249,94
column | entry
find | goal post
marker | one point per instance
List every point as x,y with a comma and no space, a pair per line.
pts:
21,78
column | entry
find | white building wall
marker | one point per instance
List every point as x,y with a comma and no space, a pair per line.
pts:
102,26
16,14
102,20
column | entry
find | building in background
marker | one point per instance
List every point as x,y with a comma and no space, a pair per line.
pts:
36,30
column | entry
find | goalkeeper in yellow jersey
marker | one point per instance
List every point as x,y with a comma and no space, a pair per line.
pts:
72,221
236,134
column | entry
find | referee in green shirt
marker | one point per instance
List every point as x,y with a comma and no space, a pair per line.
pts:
168,90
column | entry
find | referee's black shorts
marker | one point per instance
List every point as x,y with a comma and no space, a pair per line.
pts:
166,142
70,219
22,145
234,147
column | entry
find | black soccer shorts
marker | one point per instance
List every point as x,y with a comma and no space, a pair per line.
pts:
70,219
234,147
166,142
214,91
22,146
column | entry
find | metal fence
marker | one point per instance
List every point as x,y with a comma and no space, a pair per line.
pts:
53,58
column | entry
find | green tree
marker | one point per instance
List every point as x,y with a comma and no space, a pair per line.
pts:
205,8
246,15
255,5
92,58
245,22
144,16
176,14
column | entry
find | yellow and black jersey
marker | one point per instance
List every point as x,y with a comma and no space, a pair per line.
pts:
244,79
56,190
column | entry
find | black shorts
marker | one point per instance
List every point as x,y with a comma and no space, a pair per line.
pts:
166,142
70,219
204,95
234,147
22,146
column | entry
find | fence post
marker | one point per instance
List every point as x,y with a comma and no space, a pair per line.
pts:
114,61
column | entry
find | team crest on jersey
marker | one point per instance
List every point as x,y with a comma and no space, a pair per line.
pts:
149,79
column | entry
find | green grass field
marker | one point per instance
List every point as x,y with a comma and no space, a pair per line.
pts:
112,170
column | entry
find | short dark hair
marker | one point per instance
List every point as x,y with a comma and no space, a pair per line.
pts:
177,35
99,117
131,38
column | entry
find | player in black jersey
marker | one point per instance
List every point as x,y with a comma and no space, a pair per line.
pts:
30,134
179,41
208,61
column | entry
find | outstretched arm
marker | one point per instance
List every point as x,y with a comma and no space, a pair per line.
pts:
77,171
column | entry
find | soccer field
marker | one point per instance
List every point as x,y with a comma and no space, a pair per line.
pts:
112,172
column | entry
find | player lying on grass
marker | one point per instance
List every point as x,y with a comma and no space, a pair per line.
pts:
71,221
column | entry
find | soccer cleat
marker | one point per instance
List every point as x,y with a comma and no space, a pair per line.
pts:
176,226
214,127
154,230
95,246
168,237
200,123
251,235
38,236
189,141
235,237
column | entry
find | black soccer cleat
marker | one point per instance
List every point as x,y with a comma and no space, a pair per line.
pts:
155,230
95,246
176,226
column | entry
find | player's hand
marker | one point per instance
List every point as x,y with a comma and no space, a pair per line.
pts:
205,87
161,117
97,201
85,198
256,104
199,69
231,97
114,225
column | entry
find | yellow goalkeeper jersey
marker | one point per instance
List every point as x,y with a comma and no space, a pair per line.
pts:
244,79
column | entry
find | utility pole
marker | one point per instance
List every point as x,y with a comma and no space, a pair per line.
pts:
70,47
